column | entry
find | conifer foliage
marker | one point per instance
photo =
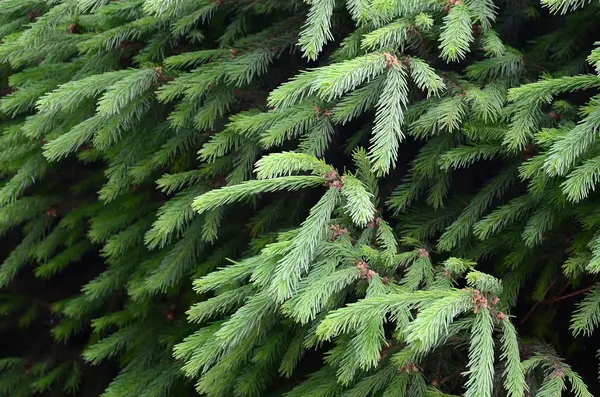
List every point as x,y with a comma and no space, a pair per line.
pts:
391,198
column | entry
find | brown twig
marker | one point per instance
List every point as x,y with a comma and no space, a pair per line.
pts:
578,292
437,372
419,35
530,312
447,378
554,299
563,289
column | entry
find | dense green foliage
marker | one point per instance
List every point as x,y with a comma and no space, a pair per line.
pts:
299,198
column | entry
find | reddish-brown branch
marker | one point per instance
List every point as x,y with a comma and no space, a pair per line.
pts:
554,299
530,312
447,378
419,35
437,372
563,289
578,292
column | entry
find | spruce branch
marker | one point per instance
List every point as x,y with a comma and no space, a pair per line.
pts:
387,133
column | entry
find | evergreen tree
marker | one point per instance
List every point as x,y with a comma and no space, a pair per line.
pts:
299,198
